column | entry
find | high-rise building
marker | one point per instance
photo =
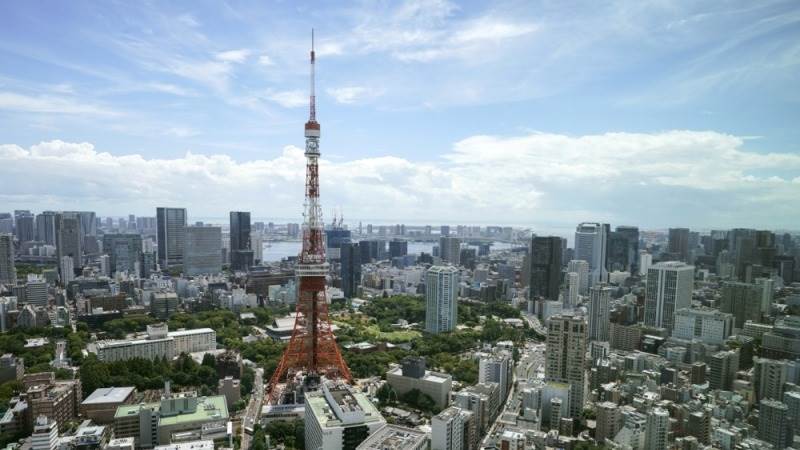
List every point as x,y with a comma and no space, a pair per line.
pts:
573,290
792,401
599,309
773,423
8,272
66,268
771,375
124,251
631,235
452,429
202,251
88,222
450,250
743,301
46,227
723,366
678,244
566,357
496,369
397,248
25,227
69,237
171,234
36,291
708,325
338,417
591,245
351,269
441,295
545,266
6,223
257,242
645,261
580,267
241,248
609,421
669,288
656,437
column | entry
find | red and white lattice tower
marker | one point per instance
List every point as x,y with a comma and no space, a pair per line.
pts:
312,349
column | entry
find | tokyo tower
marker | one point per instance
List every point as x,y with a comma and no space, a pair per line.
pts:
312,351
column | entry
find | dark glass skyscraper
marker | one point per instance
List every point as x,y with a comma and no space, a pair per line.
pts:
351,268
25,227
46,227
623,249
335,238
545,267
398,247
679,243
241,249
171,223
69,237
124,250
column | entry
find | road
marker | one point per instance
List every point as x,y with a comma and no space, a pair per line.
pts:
531,361
537,326
253,410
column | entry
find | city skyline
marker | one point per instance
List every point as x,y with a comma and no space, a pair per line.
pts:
612,278
669,119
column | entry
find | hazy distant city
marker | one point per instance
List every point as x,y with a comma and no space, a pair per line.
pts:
582,234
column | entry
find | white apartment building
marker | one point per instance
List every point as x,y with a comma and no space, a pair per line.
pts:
708,325
156,345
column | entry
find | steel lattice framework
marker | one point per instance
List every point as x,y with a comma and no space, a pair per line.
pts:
312,349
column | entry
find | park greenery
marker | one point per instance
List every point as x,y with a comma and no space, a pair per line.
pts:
289,433
446,352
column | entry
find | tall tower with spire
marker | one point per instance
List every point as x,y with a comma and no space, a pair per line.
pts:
312,351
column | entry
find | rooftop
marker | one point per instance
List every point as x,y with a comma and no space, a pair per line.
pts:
190,332
109,395
348,401
208,409
433,377
191,445
393,437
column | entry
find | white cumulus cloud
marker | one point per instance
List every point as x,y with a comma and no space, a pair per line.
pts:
353,94
698,179
234,56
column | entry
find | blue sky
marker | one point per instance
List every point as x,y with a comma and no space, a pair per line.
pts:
121,106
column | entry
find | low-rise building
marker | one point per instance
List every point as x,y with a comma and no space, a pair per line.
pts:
191,445
159,343
174,418
17,419
394,437
127,443
412,374
101,405
57,400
